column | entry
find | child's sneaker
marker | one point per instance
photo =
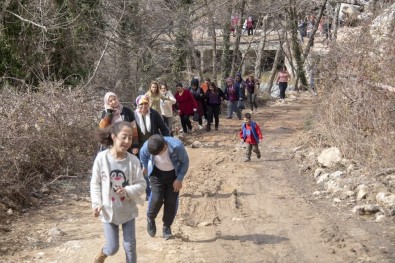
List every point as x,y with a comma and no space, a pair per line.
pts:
247,159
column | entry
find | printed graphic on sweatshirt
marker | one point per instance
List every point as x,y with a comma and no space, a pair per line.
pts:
117,180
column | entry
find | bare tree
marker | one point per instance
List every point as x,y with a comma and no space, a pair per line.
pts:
236,44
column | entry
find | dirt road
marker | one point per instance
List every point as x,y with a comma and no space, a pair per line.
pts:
230,211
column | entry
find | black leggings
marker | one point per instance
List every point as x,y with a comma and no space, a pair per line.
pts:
213,114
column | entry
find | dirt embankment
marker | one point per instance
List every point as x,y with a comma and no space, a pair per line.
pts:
230,211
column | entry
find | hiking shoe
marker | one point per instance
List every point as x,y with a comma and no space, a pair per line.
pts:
151,227
166,232
100,257
258,156
208,128
247,159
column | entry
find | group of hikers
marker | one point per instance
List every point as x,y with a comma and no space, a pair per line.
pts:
307,24
139,153
248,25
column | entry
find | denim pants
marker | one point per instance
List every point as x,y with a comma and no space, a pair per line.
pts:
232,107
169,122
111,233
282,86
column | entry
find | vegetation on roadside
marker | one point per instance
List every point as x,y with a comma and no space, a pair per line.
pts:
45,135
356,106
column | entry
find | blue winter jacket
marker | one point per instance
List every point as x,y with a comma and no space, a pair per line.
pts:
178,156
253,130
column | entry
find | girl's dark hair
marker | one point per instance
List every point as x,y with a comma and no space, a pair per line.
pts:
155,144
212,84
165,85
104,135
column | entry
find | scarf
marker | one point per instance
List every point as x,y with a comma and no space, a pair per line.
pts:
140,122
116,114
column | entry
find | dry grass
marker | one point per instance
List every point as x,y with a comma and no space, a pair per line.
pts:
45,135
355,112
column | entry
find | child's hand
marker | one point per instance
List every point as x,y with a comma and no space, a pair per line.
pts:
96,211
121,192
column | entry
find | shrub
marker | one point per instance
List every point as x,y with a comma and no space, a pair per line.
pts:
356,111
44,135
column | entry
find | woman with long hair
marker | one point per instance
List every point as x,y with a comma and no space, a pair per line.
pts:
215,96
155,96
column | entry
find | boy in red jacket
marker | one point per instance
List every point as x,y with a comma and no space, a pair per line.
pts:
251,134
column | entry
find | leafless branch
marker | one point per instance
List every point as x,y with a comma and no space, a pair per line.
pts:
26,20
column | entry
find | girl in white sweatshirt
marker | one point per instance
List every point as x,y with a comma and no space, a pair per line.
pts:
116,187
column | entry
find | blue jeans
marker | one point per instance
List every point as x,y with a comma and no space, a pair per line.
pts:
111,233
232,107
283,86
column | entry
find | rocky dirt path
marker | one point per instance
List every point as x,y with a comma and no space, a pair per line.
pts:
230,211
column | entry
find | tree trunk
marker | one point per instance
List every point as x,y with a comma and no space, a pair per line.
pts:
189,64
296,49
261,50
214,37
274,70
3,8
196,60
236,44
336,22
226,59
311,39
211,16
